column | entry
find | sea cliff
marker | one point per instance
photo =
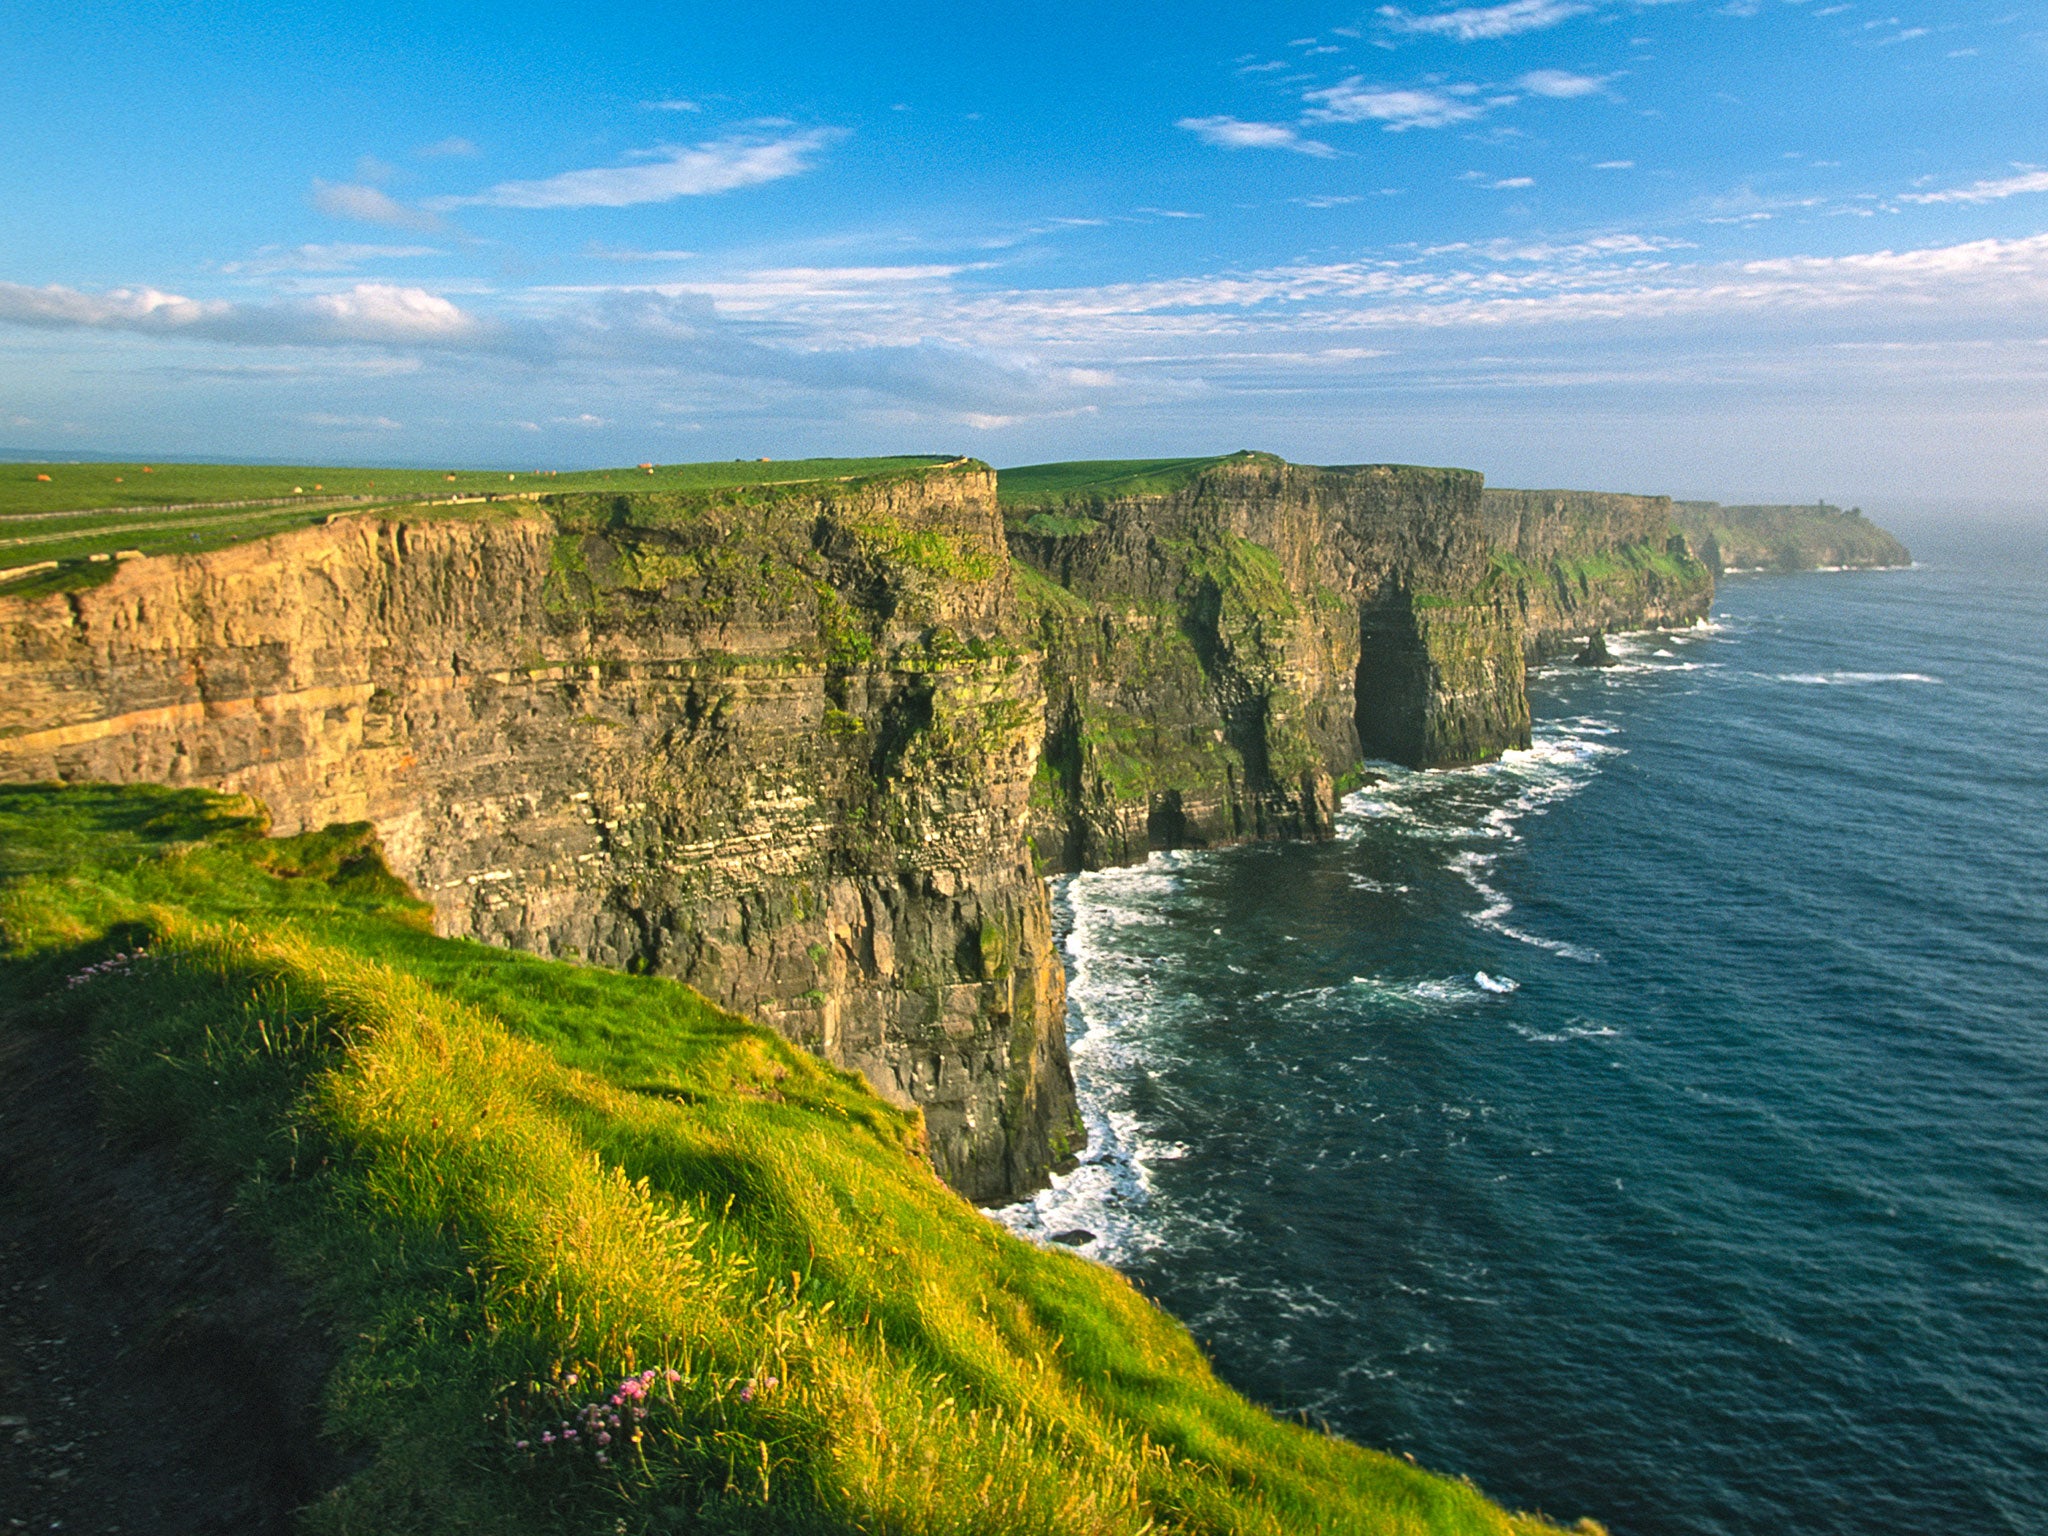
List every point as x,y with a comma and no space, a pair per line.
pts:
1584,562
810,746
1229,641
773,741
1787,538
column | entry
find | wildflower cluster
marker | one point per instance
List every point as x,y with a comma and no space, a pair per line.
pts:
605,1427
121,963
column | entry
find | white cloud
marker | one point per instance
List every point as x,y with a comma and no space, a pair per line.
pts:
1984,191
368,205
628,253
1230,133
382,312
672,104
339,257
898,343
1474,23
720,165
352,423
1353,101
1562,84
370,314
457,148
1615,165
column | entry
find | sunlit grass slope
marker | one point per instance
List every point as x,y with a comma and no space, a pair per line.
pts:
494,1174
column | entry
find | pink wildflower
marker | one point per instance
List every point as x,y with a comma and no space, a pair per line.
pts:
673,1375
747,1393
604,1437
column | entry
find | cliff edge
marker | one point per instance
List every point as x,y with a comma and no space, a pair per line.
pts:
776,741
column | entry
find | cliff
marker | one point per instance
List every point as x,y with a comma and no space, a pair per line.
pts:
1773,538
799,743
1226,639
774,741
1583,562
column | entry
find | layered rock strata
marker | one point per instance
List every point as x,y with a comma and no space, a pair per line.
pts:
1582,562
1222,653
775,742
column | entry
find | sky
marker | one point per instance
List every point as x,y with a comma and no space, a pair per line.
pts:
1767,249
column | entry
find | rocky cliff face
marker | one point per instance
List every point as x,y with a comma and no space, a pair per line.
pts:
785,743
1221,654
775,742
1580,562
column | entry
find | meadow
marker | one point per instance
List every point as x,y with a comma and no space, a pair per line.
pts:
63,525
594,1255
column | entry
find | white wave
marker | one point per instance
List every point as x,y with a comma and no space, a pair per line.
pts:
1112,998
1577,1029
1377,887
1467,807
1497,984
1851,679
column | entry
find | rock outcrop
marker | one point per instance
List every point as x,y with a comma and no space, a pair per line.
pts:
1582,562
1225,643
776,742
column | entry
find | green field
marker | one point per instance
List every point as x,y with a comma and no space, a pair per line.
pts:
510,1185
1041,485
84,510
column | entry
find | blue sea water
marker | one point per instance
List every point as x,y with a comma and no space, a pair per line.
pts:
1654,1125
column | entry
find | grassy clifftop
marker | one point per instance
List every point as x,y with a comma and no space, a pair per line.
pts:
62,524
526,1199
1045,486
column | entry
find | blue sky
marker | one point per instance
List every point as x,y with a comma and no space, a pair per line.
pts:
1770,248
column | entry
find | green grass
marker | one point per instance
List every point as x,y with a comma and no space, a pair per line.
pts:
87,510
75,486
490,1171
1085,479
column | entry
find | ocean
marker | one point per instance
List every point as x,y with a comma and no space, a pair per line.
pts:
1652,1125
